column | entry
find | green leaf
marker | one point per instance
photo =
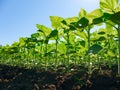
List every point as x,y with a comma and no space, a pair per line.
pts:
101,38
71,20
34,35
109,5
97,20
53,33
101,31
116,18
43,29
83,22
46,41
94,49
64,22
72,27
82,43
62,48
70,23
56,21
71,52
82,13
94,14
106,16
110,53
72,37
66,30
82,35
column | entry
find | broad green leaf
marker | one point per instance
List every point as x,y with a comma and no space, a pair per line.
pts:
72,27
34,35
71,20
46,40
64,22
109,24
106,16
94,14
101,31
82,35
69,23
15,44
71,52
44,29
53,33
72,37
82,13
83,22
116,18
62,48
66,30
101,38
52,51
110,53
110,30
94,49
56,21
23,41
82,43
97,20
109,5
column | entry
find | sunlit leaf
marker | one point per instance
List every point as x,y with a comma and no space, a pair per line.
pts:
97,13
34,35
82,13
56,21
71,20
110,53
43,29
82,35
109,5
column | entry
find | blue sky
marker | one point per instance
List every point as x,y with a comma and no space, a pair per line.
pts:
18,18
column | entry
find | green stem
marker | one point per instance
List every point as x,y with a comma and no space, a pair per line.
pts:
68,47
89,61
75,54
56,62
46,57
41,52
119,51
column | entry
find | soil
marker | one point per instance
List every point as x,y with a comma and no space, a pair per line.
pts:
16,78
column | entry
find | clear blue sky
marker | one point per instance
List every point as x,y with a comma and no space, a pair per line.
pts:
18,18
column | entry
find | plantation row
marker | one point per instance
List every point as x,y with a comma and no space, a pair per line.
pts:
71,41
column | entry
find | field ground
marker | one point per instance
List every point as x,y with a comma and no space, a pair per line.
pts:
16,78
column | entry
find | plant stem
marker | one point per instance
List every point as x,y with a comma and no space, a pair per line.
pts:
68,48
56,62
89,61
41,52
46,57
119,50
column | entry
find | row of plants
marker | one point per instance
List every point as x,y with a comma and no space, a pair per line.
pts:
72,40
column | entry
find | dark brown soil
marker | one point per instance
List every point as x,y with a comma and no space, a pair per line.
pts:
15,78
